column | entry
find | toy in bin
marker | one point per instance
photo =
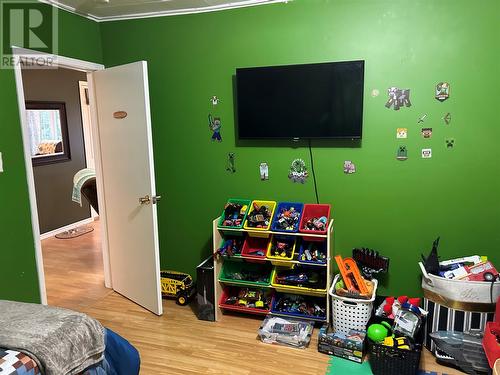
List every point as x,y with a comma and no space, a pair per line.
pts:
281,247
287,217
249,298
234,214
348,346
301,277
177,285
299,305
353,285
260,216
370,262
313,252
316,223
289,332
230,247
381,333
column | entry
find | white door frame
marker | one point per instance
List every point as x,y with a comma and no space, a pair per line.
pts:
84,66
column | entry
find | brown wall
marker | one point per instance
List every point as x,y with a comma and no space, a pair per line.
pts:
54,182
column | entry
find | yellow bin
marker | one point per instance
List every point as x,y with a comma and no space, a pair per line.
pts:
257,232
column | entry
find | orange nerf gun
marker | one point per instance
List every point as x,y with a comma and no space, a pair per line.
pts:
351,276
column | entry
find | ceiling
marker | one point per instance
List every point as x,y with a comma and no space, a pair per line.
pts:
108,10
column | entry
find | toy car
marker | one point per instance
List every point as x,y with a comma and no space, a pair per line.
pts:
177,285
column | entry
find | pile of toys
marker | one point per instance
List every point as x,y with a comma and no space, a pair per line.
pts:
469,268
256,276
230,247
249,298
313,252
287,219
293,304
406,317
234,214
300,276
282,247
260,216
316,224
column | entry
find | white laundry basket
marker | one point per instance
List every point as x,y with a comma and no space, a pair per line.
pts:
350,313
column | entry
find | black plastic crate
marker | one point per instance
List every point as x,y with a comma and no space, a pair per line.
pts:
385,360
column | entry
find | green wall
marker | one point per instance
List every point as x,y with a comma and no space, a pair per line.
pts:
78,38
396,207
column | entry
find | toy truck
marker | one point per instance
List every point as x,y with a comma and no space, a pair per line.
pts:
177,285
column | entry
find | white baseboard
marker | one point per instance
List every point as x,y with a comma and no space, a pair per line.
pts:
52,233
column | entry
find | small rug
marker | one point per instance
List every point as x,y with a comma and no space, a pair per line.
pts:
339,366
72,233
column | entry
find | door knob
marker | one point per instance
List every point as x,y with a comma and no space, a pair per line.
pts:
145,200
155,199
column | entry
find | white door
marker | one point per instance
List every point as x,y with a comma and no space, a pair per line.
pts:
124,125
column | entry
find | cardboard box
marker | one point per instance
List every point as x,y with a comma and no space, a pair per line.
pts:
349,346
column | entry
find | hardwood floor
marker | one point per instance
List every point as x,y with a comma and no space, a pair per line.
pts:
177,342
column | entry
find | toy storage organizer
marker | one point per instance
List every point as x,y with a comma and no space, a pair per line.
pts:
259,240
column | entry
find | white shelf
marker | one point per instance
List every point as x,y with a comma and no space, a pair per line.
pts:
218,236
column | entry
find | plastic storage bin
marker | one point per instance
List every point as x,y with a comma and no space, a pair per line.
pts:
272,206
251,274
267,298
311,301
294,289
236,242
315,210
290,241
321,246
350,313
286,206
237,201
253,245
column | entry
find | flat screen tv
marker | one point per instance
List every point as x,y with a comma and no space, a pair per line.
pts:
322,100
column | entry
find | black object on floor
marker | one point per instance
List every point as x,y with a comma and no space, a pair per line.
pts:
205,293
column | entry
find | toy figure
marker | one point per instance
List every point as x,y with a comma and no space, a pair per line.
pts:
215,125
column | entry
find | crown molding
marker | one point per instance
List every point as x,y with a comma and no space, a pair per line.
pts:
207,9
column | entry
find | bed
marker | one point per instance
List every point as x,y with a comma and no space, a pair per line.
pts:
36,339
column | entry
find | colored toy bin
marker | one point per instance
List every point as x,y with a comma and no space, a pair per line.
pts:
259,217
255,249
246,300
312,252
299,306
244,273
232,218
300,280
315,219
281,248
287,217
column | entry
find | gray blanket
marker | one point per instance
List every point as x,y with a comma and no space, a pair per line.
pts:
59,340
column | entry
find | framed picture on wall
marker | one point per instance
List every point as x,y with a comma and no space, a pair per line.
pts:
48,132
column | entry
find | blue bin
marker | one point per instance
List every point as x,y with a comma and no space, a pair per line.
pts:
305,244
320,301
286,206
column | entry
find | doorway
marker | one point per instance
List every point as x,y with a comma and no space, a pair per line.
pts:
126,192
60,135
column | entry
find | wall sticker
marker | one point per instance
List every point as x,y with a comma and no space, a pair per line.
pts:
426,153
230,162
422,118
450,143
402,153
442,91
398,98
215,126
298,171
264,171
401,133
349,167
214,100
447,118
426,132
